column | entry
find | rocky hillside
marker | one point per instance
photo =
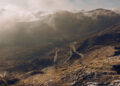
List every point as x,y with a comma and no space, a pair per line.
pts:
29,44
92,61
62,49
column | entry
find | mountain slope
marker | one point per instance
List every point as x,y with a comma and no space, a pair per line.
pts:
99,66
29,43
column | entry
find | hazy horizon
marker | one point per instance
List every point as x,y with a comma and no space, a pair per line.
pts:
50,5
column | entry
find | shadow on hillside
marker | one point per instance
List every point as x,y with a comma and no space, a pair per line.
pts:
116,68
117,52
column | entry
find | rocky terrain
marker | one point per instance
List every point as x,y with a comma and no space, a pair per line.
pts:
93,60
29,41
99,66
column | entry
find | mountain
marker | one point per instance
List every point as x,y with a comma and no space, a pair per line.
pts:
99,66
102,11
29,43
62,49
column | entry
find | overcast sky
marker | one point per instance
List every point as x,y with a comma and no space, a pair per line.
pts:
58,4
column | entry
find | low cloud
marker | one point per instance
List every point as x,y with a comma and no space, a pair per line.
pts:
35,5
50,4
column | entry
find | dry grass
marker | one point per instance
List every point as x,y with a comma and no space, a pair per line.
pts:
99,60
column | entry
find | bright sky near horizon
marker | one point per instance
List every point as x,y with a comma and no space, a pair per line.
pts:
59,4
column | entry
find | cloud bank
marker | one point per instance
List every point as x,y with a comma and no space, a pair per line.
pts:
58,4
12,11
50,4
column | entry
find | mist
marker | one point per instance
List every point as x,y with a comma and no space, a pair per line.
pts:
29,29
52,5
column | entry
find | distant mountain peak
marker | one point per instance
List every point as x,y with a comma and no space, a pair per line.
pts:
101,11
